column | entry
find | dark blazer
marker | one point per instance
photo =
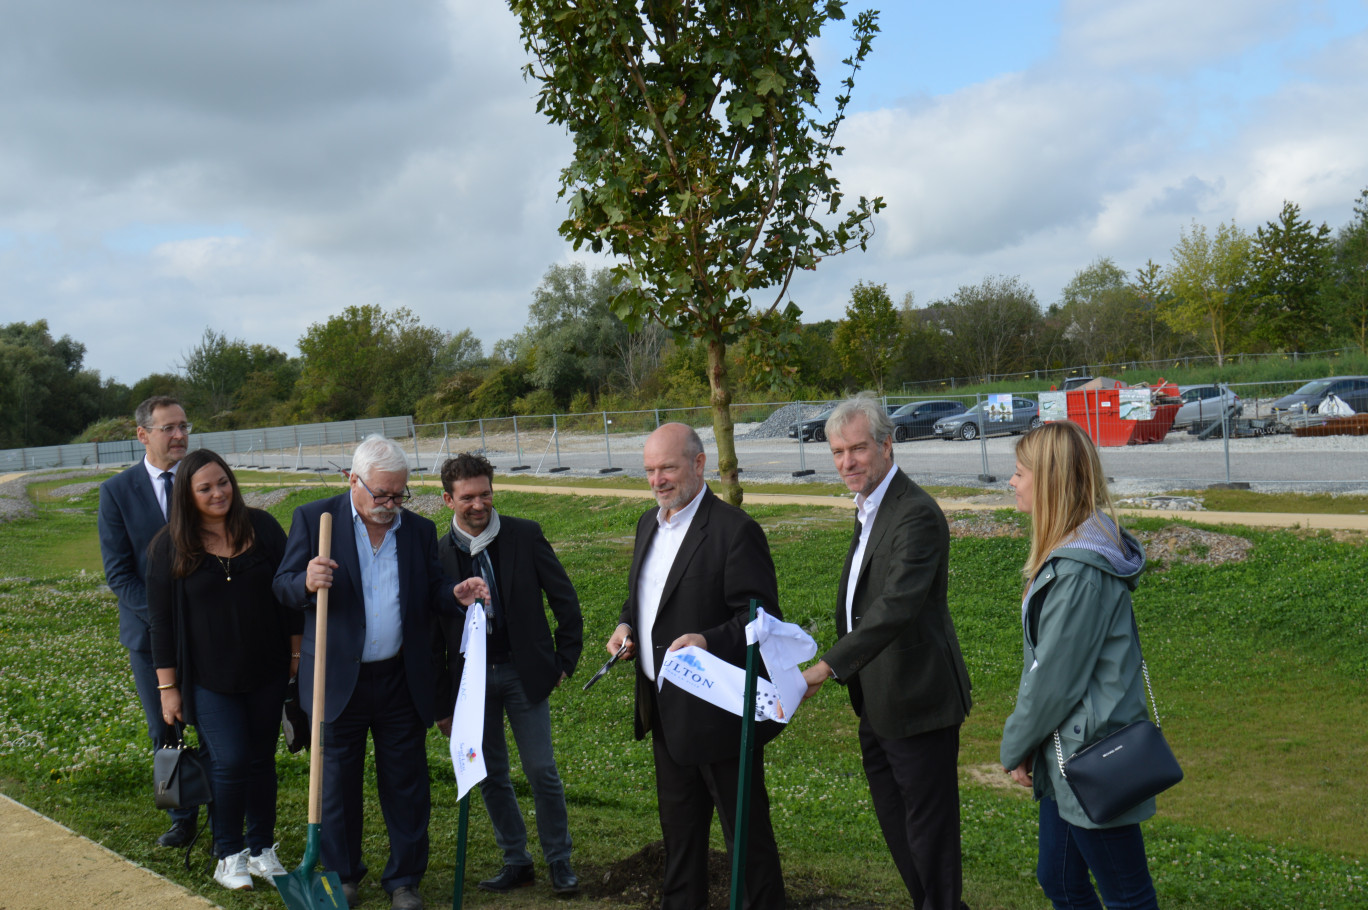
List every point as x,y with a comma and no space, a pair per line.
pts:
902,660
128,520
422,589
723,562
527,568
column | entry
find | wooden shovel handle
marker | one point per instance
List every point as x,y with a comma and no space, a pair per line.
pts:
320,680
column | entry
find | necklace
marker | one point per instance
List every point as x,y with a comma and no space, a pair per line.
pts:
227,565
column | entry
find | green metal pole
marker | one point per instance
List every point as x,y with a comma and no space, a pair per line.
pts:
741,834
458,889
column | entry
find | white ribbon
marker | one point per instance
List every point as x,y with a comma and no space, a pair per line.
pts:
783,646
467,722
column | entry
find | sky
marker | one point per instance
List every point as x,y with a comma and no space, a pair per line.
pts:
256,166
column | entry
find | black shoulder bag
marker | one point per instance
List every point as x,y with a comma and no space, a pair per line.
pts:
1124,768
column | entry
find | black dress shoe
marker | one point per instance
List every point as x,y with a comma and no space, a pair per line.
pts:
406,897
351,893
509,877
178,835
563,878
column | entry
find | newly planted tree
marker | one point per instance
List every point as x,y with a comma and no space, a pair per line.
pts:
700,160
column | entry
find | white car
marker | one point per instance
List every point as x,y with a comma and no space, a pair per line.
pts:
1205,403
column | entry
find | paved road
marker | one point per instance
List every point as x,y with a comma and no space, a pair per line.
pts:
1180,462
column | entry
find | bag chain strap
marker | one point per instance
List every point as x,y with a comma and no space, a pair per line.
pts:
1154,706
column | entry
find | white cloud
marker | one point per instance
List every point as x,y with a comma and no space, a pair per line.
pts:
337,153
1168,37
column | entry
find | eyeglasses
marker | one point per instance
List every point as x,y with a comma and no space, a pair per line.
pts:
394,499
171,428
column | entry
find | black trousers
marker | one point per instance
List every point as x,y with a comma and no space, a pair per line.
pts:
687,796
914,785
380,706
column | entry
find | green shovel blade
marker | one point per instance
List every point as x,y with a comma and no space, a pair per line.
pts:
306,889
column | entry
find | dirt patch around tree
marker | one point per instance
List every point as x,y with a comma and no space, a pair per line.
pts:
635,882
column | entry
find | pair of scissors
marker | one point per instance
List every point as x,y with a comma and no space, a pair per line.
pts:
603,671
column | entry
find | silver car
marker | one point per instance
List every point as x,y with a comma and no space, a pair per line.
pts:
1204,403
1025,415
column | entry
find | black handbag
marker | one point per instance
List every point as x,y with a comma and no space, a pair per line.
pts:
1124,768
180,774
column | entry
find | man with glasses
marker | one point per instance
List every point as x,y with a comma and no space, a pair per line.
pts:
385,582
525,662
133,506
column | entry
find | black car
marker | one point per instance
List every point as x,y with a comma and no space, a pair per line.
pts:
918,419
1352,390
814,428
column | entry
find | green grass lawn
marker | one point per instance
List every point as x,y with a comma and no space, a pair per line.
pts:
1260,670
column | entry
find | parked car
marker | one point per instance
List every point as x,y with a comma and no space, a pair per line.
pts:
1025,416
1352,390
918,419
814,428
1202,403
1074,382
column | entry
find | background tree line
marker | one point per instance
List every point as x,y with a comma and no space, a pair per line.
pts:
1287,286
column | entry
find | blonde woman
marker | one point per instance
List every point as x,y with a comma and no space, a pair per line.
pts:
1081,674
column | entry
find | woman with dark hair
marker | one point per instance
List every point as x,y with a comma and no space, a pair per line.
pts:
1082,677
224,649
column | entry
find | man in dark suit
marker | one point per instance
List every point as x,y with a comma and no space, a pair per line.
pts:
385,582
525,662
133,507
898,655
696,564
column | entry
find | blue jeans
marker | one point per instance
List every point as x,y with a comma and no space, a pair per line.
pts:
531,723
145,682
1115,856
240,730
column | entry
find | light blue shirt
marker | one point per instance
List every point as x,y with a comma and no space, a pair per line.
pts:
380,588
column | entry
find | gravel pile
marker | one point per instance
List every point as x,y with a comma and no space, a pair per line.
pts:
264,499
14,502
777,424
1180,544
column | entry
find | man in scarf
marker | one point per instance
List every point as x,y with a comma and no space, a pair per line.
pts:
526,661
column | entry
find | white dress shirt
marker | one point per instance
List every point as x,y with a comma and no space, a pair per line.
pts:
159,485
866,507
655,568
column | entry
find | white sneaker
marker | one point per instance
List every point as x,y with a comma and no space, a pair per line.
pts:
231,872
266,864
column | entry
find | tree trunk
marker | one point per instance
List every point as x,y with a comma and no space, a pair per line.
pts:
720,387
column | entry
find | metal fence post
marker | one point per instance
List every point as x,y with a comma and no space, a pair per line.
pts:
484,447
803,470
985,477
555,435
517,444
607,448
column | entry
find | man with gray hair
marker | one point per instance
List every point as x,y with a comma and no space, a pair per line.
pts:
898,655
385,582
